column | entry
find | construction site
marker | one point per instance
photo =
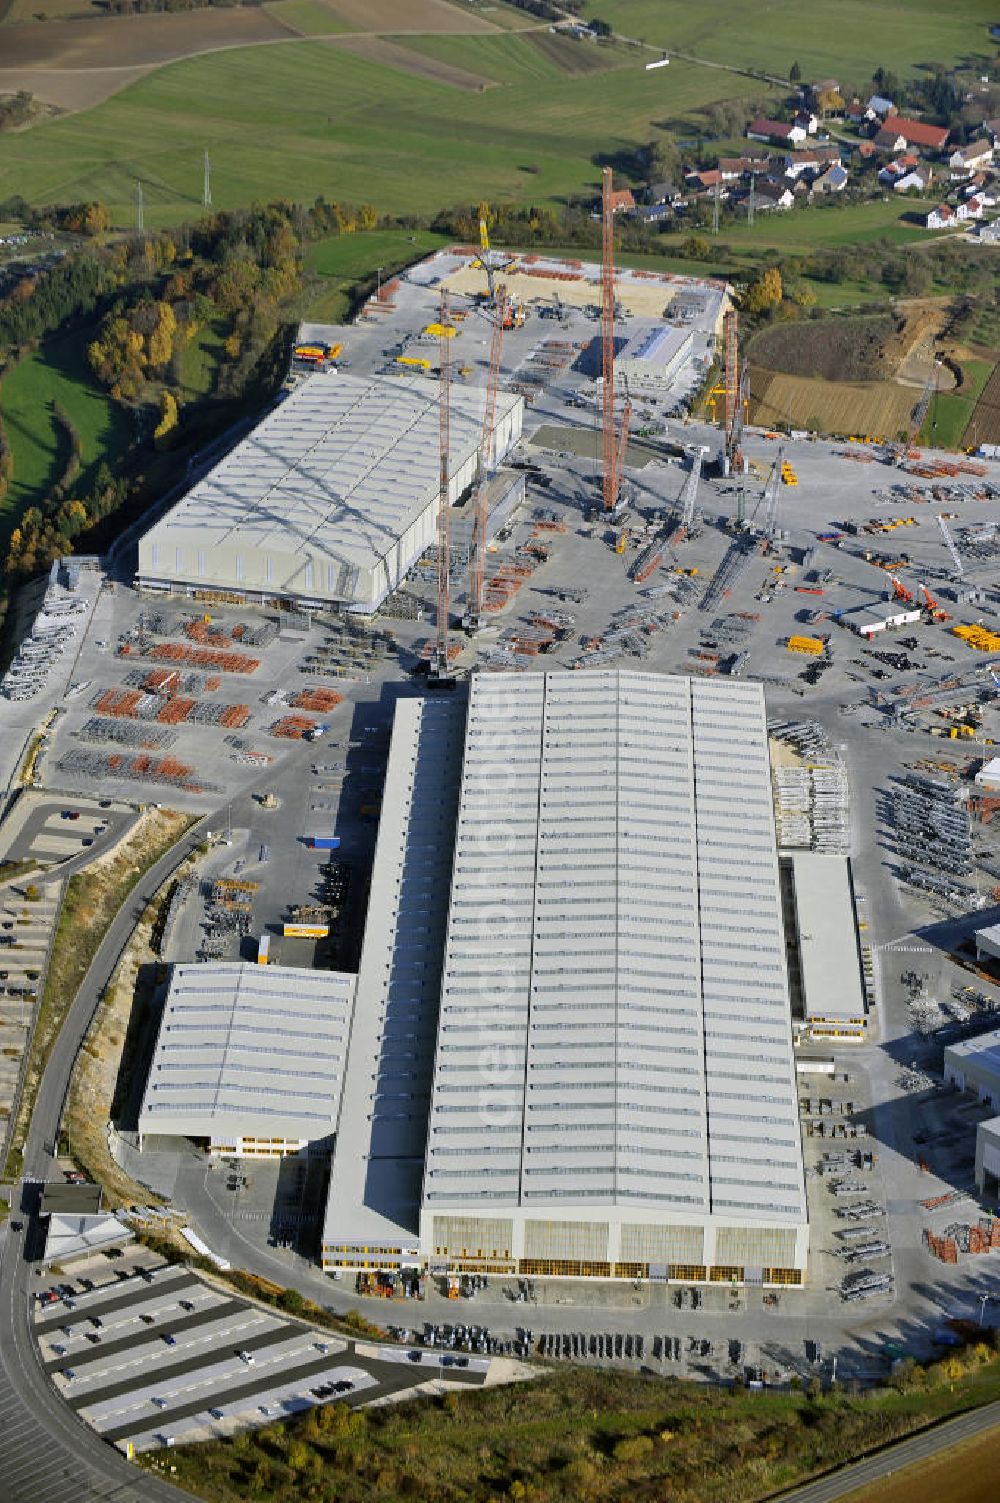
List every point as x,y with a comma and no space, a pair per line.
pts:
568,567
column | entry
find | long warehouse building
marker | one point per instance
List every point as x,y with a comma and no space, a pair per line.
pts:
612,1090
330,500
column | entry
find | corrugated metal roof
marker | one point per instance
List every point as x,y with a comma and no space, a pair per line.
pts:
250,1051
342,467
615,1024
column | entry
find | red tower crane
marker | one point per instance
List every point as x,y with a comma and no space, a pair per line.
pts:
477,553
613,442
440,671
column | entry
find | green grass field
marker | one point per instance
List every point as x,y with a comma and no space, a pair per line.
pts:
343,261
949,414
845,40
302,119
311,17
201,361
57,371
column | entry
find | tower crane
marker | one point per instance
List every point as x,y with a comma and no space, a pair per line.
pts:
613,441
918,415
492,262
950,544
769,498
689,494
440,672
484,465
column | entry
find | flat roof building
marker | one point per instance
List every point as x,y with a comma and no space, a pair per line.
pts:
373,1205
249,1059
653,358
881,615
614,1085
988,1159
572,1050
330,500
974,1065
826,943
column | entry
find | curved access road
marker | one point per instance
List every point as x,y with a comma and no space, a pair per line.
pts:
47,1454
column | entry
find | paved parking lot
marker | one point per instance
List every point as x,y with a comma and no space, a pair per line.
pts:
153,1353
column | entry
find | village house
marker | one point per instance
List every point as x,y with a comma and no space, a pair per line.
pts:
897,134
833,180
941,218
776,130
972,158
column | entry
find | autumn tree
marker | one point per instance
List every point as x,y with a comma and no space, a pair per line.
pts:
764,294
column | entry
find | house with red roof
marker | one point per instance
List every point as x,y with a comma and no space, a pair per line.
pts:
898,133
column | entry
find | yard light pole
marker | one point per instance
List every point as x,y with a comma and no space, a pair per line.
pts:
378,284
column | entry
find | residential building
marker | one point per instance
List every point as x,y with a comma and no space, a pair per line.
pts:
897,133
776,130
833,180
972,158
941,218
622,201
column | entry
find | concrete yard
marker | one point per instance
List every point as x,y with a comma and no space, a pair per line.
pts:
877,711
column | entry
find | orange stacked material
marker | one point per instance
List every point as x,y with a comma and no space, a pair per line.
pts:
234,717
319,698
204,657
160,680
549,526
120,703
292,727
454,651
969,467
555,276
207,634
175,710
212,683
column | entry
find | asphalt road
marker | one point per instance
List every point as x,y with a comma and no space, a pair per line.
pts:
48,1454
903,1454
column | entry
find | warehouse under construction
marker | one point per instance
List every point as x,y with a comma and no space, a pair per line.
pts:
638,1116
330,501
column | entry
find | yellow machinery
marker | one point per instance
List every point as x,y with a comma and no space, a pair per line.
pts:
417,361
978,638
441,331
812,646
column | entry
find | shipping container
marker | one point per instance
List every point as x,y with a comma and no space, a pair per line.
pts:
325,842
264,949
306,931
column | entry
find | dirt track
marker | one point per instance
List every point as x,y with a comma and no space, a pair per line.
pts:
73,65
406,60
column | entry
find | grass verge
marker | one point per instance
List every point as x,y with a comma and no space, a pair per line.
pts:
90,903
950,412
579,1436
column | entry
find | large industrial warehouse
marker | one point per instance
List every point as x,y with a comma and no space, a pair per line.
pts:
249,1061
331,500
612,1091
